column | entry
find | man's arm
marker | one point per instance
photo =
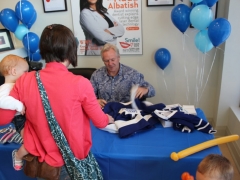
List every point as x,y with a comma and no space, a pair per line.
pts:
145,88
93,81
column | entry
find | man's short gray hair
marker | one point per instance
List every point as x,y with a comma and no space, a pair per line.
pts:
109,46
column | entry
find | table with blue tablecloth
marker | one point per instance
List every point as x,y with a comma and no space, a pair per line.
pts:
143,156
146,155
7,171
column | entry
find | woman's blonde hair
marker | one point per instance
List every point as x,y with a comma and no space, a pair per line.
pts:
9,62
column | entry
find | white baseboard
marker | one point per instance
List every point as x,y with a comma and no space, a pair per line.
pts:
233,148
233,126
221,131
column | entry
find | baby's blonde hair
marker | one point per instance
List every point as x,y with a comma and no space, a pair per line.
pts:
217,167
9,62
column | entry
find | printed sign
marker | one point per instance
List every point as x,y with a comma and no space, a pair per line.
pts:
121,25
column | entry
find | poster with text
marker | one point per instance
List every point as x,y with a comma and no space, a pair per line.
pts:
121,26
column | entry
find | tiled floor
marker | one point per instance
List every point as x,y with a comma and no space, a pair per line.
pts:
227,154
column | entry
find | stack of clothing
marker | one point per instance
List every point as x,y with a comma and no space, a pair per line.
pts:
182,120
145,116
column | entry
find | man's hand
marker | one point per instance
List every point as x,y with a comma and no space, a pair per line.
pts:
102,102
141,91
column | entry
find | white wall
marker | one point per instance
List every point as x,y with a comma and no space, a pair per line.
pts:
158,32
230,83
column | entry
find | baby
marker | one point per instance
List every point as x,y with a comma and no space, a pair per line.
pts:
12,67
215,167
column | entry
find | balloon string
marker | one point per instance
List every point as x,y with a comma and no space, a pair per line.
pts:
29,57
183,41
203,68
186,35
197,78
187,93
166,86
185,69
220,49
196,87
164,81
209,73
201,72
21,10
200,82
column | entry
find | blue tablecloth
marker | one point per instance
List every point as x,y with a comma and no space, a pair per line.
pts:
146,155
7,171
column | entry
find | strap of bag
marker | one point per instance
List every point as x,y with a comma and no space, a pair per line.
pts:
77,169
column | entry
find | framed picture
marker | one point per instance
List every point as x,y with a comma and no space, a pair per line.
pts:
160,3
214,10
5,40
54,5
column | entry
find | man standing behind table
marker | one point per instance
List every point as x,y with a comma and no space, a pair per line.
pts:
113,82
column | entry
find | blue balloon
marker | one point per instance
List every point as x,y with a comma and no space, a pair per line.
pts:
31,42
202,41
210,3
218,31
25,13
201,16
202,2
180,17
9,19
32,20
20,31
195,1
36,56
162,58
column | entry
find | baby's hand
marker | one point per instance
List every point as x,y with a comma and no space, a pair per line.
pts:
23,110
110,119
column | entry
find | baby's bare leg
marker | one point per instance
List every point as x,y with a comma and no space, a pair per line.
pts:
20,153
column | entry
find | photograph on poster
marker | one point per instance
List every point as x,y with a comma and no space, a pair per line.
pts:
160,2
54,5
5,40
108,21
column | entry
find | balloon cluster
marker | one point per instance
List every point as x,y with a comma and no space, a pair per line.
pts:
26,14
211,33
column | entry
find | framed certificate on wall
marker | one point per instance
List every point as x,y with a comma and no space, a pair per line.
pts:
5,40
54,5
160,3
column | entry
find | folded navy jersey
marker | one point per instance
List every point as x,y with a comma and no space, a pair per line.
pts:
185,122
129,121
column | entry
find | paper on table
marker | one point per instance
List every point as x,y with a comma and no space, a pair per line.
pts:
190,109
